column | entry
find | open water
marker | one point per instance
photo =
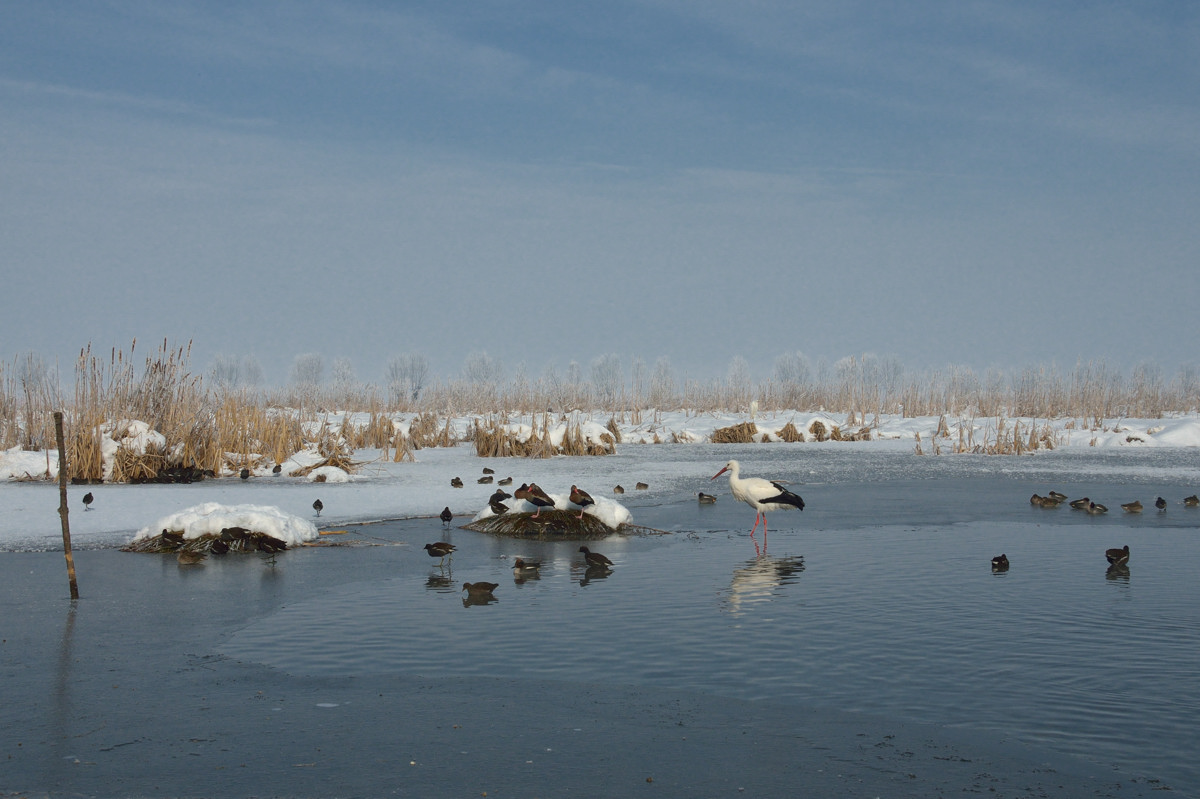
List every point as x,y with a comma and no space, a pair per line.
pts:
879,598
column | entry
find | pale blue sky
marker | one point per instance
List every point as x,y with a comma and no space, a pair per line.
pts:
981,183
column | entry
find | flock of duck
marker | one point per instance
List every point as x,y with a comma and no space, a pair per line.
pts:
481,592
1054,499
1117,557
531,493
489,475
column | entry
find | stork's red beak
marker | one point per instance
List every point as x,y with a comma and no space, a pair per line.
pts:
718,474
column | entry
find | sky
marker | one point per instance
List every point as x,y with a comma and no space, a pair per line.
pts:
990,184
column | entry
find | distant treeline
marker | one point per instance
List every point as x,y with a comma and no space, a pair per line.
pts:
227,409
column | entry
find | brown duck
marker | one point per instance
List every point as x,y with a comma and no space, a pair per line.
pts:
581,498
595,558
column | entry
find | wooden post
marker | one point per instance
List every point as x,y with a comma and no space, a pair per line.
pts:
62,502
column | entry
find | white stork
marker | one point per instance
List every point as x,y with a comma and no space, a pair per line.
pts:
762,495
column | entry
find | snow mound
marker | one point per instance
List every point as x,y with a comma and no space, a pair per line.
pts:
211,518
329,474
613,514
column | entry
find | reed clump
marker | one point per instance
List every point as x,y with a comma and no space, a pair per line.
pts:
790,434
743,433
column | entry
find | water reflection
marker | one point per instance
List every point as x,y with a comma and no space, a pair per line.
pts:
1117,573
63,711
478,599
592,573
759,579
442,583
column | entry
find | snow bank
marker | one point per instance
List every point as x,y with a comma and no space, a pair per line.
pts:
211,518
16,464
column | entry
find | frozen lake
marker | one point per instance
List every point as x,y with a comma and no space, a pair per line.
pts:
878,598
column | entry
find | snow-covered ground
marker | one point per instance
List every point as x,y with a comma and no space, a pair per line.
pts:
383,489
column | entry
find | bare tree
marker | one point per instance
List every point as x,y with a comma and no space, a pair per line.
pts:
406,377
738,382
345,383
662,385
252,372
482,369
641,382
226,372
307,371
607,380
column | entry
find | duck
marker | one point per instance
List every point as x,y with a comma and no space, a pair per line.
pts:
1096,507
534,495
172,538
244,474
581,498
1081,504
706,499
88,499
480,590
1118,557
456,482
1036,499
1160,503
1000,563
642,486
499,495
618,489
1058,495
440,549
277,468
595,558
318,506
1050,502
446,516
498,508
189,557
1132,507
522,567
485,480
487,470
507,481
1191,502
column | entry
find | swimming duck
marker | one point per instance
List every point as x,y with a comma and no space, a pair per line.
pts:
1132,507
480,590
523,567
595,558
1118,557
